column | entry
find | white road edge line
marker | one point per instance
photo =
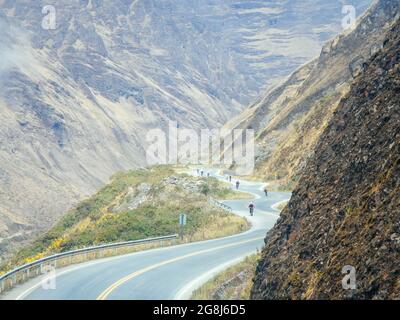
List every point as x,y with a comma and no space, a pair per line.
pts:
186,292
41,278
196,282
276,205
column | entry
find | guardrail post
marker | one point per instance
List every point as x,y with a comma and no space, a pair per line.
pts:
24,272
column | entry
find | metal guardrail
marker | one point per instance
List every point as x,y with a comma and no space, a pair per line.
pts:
220,204
35,268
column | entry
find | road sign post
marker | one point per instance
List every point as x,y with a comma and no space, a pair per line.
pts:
182,223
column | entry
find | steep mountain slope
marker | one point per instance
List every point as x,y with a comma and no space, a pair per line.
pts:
345,210
290,118
76,101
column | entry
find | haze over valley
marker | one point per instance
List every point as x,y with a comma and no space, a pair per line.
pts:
76,100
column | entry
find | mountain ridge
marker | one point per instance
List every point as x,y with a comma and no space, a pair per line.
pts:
290,117
111,71
344,210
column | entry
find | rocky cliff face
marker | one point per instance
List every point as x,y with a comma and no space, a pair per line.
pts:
75,101
345,210
290,118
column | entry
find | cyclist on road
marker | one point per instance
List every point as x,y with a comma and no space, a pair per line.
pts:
237,185
251,208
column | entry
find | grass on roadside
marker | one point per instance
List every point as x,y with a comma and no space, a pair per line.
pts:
221,190
234,283
134,205
282,205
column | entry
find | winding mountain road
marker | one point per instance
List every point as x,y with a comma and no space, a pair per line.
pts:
164,273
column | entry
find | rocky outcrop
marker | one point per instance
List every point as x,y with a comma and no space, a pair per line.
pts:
345,209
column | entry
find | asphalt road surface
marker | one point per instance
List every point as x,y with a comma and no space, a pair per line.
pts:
164,273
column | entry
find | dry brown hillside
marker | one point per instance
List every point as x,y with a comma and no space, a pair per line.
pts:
345,210
289,119
78,98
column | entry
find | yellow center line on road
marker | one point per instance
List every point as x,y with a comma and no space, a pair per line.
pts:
115,285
